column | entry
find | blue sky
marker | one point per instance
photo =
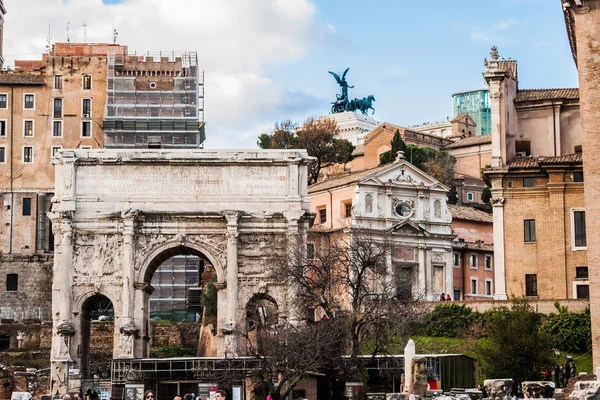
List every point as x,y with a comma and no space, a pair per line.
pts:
412,55
266,60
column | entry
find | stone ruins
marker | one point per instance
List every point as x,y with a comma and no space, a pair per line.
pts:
118,214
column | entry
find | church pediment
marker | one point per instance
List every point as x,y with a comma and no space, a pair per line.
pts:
408,228
403,173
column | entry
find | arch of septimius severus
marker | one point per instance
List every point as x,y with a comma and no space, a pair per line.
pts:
118,214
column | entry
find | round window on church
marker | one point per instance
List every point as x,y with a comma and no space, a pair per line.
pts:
403,210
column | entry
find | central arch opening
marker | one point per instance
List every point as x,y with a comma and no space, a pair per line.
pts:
183,279
97,313
180,277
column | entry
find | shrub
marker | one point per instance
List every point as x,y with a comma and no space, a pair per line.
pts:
570,331
448,319
172,351
515,346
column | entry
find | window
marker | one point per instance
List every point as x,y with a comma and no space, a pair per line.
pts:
28,128
58,82
578,149
523,147
368,204
57,128
579,228
55,150
87,82
86,129
437,209
26,206
404,283
473,261
86,111
473,286
86,147
58,108
456,294
488,262
581,273
528,182
310,251
488,287
2,128
12,282
4,100
529,226
456,259
470,196
2,154
583,291
577,176
531,285
28,155
322,215
347,207
29,101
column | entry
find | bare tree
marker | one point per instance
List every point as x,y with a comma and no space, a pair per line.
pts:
350,277
287,353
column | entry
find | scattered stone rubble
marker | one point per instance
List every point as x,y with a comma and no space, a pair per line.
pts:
501,389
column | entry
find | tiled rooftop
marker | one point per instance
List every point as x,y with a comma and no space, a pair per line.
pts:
469,213
470,141
344,179
547,94
534,162
21,79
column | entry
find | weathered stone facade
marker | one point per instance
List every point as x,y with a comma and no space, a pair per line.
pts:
119,214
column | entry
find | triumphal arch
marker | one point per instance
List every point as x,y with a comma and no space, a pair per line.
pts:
118,214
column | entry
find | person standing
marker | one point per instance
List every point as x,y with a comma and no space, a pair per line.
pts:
557,376
442,297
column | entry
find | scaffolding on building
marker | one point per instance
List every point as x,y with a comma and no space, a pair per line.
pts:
178,289
476,103
154,100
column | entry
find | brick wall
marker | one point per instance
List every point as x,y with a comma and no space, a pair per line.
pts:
32,299
587,31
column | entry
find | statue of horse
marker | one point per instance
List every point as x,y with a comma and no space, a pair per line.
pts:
363,105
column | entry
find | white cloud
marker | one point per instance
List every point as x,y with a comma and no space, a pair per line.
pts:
237,41
504,24
396,73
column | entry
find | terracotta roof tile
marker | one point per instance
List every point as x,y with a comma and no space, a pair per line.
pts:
21,79
344,179
547,94
469,213
470,141
534,162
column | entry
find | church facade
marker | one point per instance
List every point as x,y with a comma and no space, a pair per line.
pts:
401,203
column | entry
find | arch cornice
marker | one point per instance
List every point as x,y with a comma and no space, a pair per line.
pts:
195,242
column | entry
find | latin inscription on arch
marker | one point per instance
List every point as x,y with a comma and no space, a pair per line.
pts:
177,180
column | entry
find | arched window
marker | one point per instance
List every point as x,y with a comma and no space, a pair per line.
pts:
437,209
368,203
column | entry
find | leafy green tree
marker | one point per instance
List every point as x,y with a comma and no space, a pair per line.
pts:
515,346
486,194
317,135
570,331
397,145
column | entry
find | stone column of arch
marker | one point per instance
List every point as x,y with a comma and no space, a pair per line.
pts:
64,329
232,279
127,329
